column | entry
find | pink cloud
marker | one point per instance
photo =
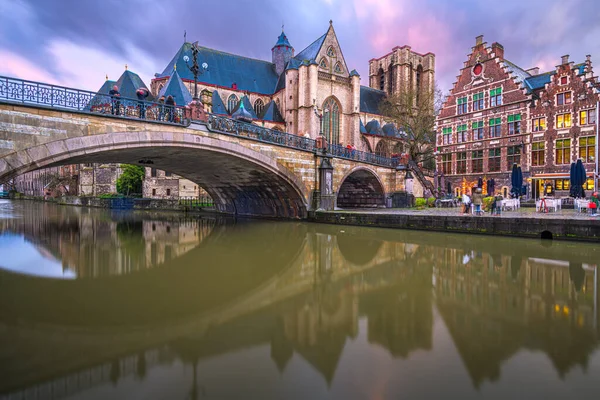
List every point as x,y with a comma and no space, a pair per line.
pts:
16,66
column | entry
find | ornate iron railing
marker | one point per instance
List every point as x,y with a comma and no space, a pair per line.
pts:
239,128
42,94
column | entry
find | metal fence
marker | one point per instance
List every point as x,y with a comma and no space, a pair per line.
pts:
42,94
239,128
197,202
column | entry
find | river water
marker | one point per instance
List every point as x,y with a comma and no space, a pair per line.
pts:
121,305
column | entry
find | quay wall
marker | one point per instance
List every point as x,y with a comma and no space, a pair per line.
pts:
544,228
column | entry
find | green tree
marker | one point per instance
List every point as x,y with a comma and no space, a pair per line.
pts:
130,181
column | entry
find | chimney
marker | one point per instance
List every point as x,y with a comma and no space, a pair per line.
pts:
498,50
533,71
564,59
479,40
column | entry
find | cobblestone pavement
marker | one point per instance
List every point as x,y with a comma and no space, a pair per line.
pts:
524,212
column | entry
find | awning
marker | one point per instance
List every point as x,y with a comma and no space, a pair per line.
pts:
558,175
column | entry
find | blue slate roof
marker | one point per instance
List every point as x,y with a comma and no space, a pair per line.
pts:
390,130
521,74
106,87
99,100
280,83
225,69
129,83
242,113
282,41
293,64
217,104
177,89
354,73
539,81
311,52
370,99
272,113
374,128
362,127
244,103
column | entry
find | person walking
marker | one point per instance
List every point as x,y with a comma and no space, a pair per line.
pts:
466,200
142,94
478,201
170,103
594,203
161,108
115,103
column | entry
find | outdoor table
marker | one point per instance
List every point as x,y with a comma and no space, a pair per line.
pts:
581,204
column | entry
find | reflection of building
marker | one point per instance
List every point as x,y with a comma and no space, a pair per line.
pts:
494,305
165,185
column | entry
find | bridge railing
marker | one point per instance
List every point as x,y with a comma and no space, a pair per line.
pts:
239,128
59,97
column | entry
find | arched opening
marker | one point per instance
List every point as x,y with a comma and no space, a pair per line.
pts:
546,235
418,82
361,189
331,120
398,148
358,250
338,69
366,145
381,74
382,149
231,103
323,64
259,107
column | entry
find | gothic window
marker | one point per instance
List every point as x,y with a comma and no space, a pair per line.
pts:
331,121
259,107
231,103
331,52
381,79
382,149
418,82
338,68
323,63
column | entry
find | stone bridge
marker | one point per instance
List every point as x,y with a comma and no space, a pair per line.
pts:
247,169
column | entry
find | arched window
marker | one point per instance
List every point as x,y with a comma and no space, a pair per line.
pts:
231,103
382,149
338,68
418,81
331,51
331,121
259,107
381,79
323,63
398,148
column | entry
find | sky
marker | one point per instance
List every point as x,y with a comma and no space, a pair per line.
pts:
76,43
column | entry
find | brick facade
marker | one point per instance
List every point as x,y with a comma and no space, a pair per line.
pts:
490,120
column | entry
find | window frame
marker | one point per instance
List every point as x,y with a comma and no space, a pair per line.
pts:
477,161
513,156
495,125
232,101
538,124
447,164
477,101
564,120
462,133
495,161
538,153
562,151
461,162
564,98
478,130
589,115
588,148
447,135
461,105
496,97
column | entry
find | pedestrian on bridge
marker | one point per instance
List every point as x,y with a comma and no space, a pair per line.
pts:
115,103
170,103
142,94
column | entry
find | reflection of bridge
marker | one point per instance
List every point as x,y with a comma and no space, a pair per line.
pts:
493,304
247,169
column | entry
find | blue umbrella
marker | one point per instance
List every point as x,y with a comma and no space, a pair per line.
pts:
580,171
572,192
519,181
513,180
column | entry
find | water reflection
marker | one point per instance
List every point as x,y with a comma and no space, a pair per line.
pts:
289,310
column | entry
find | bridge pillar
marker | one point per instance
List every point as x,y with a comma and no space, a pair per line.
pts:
326,194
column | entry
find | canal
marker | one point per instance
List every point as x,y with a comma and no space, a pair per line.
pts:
97,304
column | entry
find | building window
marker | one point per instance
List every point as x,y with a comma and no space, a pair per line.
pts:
562,184
462,105
461,133
323,63
478,101
231,103
153,192
447,135
168,174
589,184
168,192
587,117
563,120
494,160
478,130
563,150
477,161
538,124
381,79
514,124
331,121
446,164
496,97
563,98
338,68
331,52
563,80
513,156
495,127
538,153
259,107
461,162
153,172
587,149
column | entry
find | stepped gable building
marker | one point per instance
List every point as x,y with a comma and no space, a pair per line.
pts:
282,93
498,114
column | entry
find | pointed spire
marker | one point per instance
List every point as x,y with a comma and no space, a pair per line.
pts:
175,67
125,67
106,76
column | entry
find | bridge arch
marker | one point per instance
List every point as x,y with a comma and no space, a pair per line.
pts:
240,180
360,188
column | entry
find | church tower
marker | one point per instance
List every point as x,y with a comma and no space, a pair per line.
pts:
282,53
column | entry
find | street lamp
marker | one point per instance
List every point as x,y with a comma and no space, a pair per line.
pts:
195,68
320,116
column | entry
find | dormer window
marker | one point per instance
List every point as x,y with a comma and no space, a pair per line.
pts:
338,68
331,52
563,98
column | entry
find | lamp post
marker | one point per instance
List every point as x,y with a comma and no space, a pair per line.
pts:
195,68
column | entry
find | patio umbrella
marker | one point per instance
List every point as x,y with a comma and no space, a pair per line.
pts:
493,185
513,180
442,182
572,181
449,187
479,182
580,171
488,185
519,181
